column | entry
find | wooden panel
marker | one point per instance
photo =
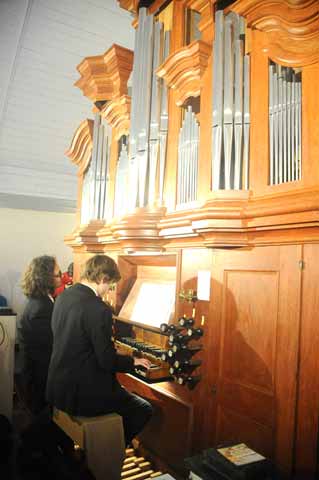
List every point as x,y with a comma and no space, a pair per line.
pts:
247,296
247,358
310,127
259,154
247,431
251,385
308,394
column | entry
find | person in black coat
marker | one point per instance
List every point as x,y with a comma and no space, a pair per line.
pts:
41,278
82,374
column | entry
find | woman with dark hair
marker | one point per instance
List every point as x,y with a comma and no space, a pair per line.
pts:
41,278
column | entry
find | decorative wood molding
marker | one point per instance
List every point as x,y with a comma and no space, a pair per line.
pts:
292,28
80,149
85,237
119,64
183,70
94,81
104,77
229,219
206,9
117,113
130,5
137,231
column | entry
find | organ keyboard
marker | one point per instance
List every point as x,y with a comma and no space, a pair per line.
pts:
159,369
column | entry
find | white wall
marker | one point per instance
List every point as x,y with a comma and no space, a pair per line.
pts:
25,234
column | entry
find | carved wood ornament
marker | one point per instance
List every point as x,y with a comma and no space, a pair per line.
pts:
80,149
117,113
105,76
292,28
183,70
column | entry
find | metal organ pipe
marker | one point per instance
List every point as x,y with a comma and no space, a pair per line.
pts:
284,124
218,81
149,118
93,164
246,120
105,212
231,113
163,122
188,159
154,123
96,177
98,173
121,182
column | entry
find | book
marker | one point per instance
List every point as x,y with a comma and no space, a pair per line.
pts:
240,454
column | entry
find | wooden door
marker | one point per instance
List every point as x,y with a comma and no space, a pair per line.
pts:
253,351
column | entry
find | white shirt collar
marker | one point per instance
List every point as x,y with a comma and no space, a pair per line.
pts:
50,297
89,286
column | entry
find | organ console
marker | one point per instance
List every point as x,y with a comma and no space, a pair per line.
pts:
186,322
190,381
195,333
208,164
170,329
184,349
158,371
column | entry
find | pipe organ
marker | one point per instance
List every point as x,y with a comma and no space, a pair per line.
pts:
96,178
201,162
187,169
121,179
284,124
231,111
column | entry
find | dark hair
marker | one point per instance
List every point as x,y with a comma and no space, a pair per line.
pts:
100,267
70,269
38,278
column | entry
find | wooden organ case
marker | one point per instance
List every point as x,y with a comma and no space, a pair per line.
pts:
203,157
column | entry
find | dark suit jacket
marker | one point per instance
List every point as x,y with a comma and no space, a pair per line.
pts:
82,373
35,339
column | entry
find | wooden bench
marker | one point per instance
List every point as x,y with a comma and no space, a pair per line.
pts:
102,439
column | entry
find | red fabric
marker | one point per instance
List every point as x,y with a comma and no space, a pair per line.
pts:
66,280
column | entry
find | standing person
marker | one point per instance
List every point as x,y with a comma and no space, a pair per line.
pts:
66,281
41,278
82,374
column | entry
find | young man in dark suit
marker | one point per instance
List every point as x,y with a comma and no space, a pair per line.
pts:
82,374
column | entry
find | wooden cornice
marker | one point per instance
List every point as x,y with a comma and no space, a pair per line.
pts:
136,231
80,149
292,28
85,237
183,70
227,219
104,77
119,64
130,5
94,81
117,113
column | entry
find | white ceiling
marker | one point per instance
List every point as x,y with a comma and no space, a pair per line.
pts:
41,43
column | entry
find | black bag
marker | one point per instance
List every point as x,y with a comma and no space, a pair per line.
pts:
212,465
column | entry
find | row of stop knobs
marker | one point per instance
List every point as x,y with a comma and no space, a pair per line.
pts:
180,352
